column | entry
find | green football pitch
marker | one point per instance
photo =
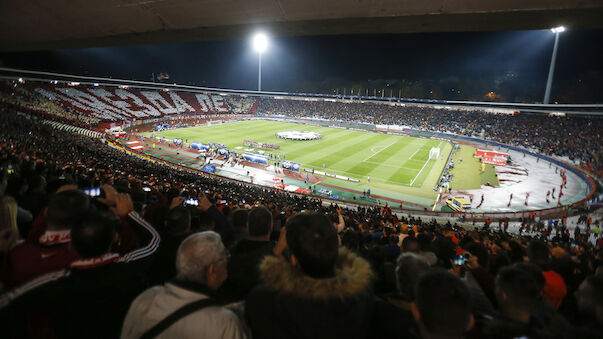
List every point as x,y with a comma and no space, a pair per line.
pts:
394,163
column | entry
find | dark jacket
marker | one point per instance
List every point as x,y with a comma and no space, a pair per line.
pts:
163,267
393,319
290,304
88,300
244,268
541,326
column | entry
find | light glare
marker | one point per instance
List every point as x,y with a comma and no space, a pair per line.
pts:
558,29
260,42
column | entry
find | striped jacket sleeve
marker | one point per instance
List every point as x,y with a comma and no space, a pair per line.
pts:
9,296
150,239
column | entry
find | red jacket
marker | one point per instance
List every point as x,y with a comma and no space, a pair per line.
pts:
47,251
28,260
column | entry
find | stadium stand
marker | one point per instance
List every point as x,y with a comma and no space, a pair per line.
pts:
573,137
365,273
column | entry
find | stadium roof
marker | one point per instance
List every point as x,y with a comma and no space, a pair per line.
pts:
43,24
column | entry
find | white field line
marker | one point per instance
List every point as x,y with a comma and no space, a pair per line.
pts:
380,150
390,166
355,175
425,164
414,153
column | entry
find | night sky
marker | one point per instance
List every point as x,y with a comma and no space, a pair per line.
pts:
291,62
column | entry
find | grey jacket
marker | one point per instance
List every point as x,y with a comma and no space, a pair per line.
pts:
156,303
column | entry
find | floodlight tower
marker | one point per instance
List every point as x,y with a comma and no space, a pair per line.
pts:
549,81
260,43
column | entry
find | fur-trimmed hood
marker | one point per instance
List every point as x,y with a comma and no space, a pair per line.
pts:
353,277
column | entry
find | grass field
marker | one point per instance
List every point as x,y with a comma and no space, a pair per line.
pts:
397,164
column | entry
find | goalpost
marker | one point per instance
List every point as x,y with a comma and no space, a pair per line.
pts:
434,153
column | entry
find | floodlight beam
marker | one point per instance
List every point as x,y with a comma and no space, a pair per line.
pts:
260,43
549,81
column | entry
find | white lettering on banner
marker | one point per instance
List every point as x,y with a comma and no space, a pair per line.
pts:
54,96
219,104
104,111
181,104
150,110
104,95
205,103
158,101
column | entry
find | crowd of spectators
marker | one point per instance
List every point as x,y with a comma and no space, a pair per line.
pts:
577,138
246,261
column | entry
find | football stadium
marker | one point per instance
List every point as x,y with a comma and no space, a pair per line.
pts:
301,170
364,158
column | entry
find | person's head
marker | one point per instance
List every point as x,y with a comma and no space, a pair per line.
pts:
313,243
205,221
410,244
259,222
178,220
409,267
94,235
518,288
589,297
480,252
424,240
538,253
8,213
442,306
239,217
36,182
202,258
66,209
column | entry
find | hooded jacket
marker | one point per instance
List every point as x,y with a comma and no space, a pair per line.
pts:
290,304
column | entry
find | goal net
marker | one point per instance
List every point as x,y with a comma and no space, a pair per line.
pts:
434,153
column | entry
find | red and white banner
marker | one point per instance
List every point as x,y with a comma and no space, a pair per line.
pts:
129,104
135,145
492,157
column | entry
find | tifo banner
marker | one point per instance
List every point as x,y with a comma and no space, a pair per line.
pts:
199,146
260,144
260,159
492,157
291,166
331,175
209,168
162,127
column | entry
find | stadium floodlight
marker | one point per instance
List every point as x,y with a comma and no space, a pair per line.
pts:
549,80
558,29
260,43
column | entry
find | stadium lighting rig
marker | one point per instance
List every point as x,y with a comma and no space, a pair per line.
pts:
558,29
549,81
260,44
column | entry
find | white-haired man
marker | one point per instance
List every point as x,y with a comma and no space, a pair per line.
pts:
189,301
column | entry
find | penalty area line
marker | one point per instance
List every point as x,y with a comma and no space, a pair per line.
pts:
380,150
414,153
425,164
416,176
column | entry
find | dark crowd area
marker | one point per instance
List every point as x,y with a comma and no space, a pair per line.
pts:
97,243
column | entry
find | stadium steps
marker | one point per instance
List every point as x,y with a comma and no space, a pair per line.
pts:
73,129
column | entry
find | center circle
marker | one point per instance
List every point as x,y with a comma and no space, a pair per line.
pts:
298,135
